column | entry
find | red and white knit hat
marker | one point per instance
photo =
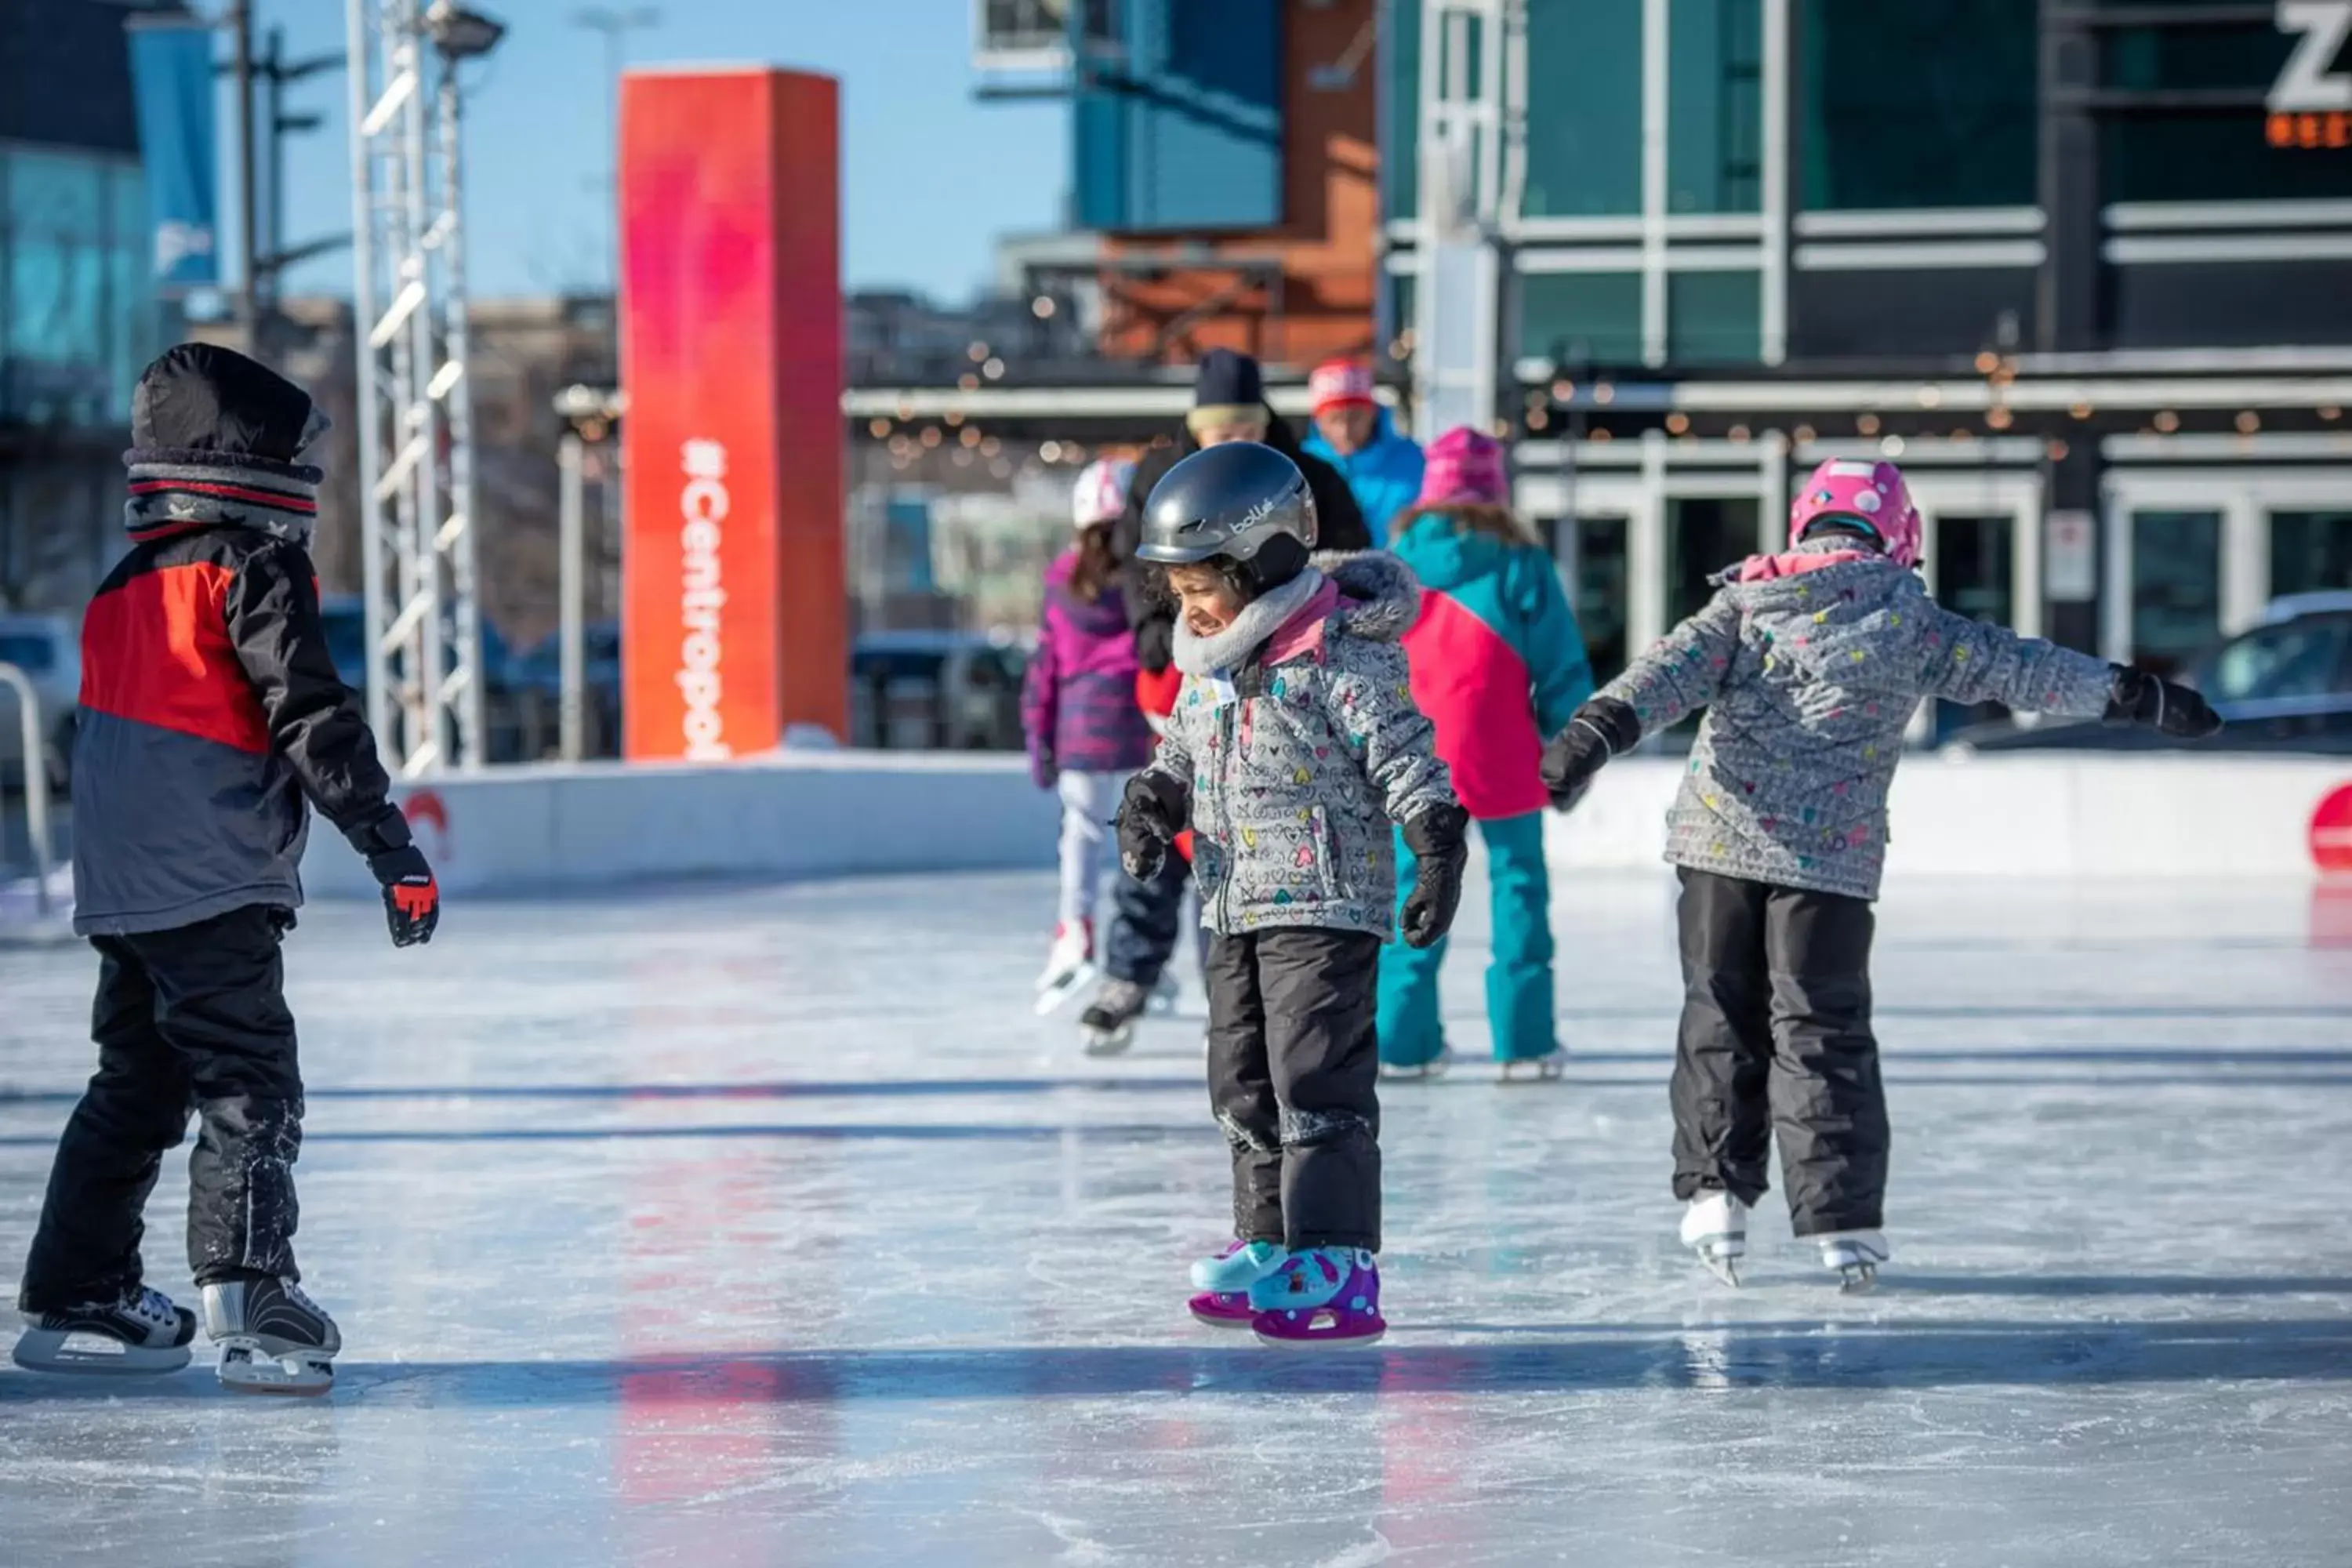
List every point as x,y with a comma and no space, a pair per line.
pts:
1336,383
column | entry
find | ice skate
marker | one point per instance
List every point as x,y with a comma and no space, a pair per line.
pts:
1108,1026
1223,1282
1855,1254
273,1337
1715,1226
1068,966
1323,1297
139,1335
1547,1068
1415,1072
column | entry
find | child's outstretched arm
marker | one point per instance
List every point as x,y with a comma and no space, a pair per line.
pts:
271,606
1677,678
1372,708
1557,660
1975,661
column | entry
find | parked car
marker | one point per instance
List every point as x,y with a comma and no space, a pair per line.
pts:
535,682
2284,686
42,647
936,690
345,616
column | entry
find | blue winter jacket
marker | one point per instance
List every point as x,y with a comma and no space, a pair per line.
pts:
1385,476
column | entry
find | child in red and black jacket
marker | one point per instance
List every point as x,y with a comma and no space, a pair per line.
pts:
211,712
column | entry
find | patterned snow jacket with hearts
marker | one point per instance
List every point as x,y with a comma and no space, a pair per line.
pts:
1297,736
1810,665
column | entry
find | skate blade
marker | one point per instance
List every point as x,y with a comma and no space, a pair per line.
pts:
1221,1324
1326,1345
1726,1270
1053,995
1519,1073
248,1370
1112,1044
1857,1280
52,1351
1419,1072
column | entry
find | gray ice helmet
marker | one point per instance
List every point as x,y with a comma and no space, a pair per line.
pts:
1228,501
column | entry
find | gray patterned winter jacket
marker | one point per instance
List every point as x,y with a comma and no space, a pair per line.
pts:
1810,666
1297,736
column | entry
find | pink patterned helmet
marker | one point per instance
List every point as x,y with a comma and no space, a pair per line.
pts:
1101,493
1868,492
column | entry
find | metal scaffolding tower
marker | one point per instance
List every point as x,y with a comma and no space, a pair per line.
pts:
415,430
1473,108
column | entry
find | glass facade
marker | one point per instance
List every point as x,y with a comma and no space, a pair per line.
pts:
2187,156
1581,317
2311,551
1584,134
1715,106
1400,111
1600,591
78,313
2175,586
1715,318
1928,103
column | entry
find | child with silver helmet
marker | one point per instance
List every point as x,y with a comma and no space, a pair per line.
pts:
1809,663
1294,745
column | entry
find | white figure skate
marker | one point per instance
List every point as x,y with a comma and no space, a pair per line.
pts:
1715,1226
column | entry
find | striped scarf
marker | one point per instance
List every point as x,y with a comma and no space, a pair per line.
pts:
174,492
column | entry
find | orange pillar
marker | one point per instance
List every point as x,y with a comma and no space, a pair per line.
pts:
735,608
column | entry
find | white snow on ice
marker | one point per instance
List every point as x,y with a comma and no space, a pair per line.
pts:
739,1226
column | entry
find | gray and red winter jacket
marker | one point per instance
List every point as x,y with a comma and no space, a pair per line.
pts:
210,708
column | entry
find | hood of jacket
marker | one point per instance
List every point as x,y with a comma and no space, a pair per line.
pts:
1444,556
1380,597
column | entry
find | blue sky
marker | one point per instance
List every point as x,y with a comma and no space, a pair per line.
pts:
930,177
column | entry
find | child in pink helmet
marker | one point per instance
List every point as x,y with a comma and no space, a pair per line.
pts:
1810,665
1087,736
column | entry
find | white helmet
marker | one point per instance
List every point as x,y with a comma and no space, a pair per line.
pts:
1101,493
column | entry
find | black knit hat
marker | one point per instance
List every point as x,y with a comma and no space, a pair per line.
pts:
1225,378
218,438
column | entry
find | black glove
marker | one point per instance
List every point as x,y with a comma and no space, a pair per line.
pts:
1602,728
2139,697
411,898
1151,814
1439,850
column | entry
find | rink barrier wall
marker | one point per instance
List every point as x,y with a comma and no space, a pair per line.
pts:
797,815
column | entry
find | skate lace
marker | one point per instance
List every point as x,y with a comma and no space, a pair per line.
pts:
152,1305
294,1293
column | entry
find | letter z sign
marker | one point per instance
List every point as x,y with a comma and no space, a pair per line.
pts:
2309,84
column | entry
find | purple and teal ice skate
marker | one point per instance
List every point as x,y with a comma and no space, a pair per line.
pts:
1224,1282
1324,1296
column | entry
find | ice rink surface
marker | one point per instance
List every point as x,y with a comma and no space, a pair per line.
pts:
735,1226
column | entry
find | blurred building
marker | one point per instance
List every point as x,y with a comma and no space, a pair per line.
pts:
78,316
2085,269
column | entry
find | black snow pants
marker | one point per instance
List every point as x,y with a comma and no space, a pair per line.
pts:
1293,1071
190,1018
1776,1042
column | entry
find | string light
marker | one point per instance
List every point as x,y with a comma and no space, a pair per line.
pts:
970,436
2081,411
878,429
955,417
1042,307
1891,447
2167,421
1050,451
1931,396
1804,435
1539,419
994,369
2329,412
1987,362
2000,418
2057,451
931,435
1867,424
976,352
1678,423
1738,432
2249,422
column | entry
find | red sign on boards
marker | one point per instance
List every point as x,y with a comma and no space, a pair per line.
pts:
735,614
2331,831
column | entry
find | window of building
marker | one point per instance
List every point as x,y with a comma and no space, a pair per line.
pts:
79,318
2175,586
1591,556
1928,103
1584,122
1400,111
2205,156
1581,317
1715,318
1703,535
1715,106
2310,551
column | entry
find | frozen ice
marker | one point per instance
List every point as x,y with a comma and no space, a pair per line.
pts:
732,1226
